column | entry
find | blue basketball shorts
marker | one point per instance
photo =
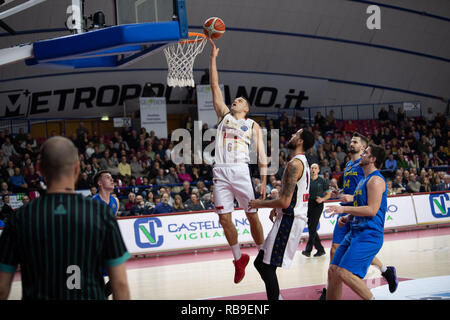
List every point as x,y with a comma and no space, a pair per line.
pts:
339,233
357,250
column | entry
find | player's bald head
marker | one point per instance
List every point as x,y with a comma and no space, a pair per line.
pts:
58,158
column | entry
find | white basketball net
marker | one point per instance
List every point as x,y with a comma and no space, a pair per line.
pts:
180,58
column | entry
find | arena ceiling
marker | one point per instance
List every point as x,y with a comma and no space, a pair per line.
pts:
323,47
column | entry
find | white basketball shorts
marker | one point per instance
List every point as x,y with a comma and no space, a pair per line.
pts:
232,181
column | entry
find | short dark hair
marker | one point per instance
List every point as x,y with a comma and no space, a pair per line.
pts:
362,137
379,154
308,139
98,175
246,100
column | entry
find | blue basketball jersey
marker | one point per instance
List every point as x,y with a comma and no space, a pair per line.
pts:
113,204
360,200
353,174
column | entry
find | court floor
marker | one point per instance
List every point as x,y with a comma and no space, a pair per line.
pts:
417,255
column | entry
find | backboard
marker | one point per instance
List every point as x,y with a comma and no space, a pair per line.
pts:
142,11
143,27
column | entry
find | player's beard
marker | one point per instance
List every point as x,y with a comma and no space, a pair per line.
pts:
353,151
362,163
292,144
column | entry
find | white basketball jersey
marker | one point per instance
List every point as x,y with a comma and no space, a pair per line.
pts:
299,201
233,140
282,241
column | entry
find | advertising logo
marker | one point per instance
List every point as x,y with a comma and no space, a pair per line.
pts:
15,102
438,204
390,210
145,233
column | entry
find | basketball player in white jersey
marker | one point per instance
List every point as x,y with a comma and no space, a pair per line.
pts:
290,209
231,173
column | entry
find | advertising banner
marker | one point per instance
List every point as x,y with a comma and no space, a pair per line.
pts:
200,230
432,208
152,234
94,93
184,231
400,212
154,116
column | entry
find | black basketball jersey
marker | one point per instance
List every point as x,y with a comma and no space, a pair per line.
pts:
62,242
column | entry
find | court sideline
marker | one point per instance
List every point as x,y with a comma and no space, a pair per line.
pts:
417,254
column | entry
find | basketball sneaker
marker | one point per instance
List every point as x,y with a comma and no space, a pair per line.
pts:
323,296
319,253
391,277
239,267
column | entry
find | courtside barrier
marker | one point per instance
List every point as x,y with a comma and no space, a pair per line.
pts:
198,230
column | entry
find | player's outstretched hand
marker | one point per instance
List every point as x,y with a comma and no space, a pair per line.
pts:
255,204
214,49
333,210
342,221
346,197
273,214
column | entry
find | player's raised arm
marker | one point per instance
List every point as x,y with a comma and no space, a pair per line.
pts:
262,158
219,104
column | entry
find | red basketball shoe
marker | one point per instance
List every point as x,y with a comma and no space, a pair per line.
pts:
239,267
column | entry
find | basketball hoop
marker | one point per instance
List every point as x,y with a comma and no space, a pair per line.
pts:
180,58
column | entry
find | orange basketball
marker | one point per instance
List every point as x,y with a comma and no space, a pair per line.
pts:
214,28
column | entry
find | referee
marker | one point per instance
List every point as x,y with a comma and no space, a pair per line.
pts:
318,193
63,240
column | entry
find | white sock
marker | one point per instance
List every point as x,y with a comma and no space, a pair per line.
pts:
280,297
326,285
383,268
236,251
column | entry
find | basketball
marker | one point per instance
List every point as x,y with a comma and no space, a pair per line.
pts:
214,28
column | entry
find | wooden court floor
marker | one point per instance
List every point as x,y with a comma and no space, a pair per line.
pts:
416,254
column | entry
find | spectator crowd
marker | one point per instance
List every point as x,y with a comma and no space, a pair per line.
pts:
148,182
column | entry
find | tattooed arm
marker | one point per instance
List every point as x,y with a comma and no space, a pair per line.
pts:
291,175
